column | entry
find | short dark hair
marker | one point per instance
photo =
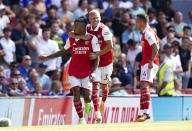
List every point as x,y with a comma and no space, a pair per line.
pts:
81,20
45,28
143,17
131,42
7,29
186,27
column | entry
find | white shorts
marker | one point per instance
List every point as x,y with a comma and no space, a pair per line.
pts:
82,83
148,74
103,74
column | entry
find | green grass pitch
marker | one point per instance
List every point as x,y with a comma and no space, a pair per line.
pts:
144,126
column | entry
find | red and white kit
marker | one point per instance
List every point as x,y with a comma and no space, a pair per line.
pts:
81,66
105,68
149,37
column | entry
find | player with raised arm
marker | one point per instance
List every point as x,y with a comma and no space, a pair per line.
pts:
104,71
81,69
149,65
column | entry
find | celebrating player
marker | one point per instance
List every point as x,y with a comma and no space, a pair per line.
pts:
81,68
104,71
149,65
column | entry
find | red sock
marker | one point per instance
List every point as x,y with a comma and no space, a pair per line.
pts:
105,94
78,107
146,97
95,98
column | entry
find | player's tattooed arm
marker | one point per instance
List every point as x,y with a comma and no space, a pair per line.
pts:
154,52
54,55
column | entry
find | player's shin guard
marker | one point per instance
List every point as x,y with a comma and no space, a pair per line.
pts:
95,98
78,107
146,99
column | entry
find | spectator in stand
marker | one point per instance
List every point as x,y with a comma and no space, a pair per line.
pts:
136,9
38,91
169,38
68,28
131,33
97,4
47,46
3,88
168,10
116,70
4,19
116,49
54,34
30,19
82,10
56,75
132,52
116,89
33,78
13,66
125,4
185,56
64,13
25,66
119,26
137,69
51,15
166,77
19,36
22,86
43,78
190,19
38,5
161,25
187,32
15,74
152,19
8,47
126,72
178,24
32,44
14,91
56,89
175,61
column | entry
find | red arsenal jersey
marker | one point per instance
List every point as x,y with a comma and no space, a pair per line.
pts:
149,37
80,65
102,32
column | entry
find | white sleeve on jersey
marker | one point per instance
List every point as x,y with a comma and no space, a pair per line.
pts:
150,37
95,44
106,33
67,45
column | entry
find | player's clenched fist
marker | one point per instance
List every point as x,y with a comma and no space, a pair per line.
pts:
93,56
42,57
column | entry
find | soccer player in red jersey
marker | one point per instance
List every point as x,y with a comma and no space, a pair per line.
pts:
149,65
81,68
104,70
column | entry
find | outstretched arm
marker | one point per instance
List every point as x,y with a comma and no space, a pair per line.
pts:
54,55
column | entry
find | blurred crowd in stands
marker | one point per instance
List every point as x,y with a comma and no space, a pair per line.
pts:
32,27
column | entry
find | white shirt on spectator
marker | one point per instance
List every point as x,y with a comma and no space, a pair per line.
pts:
9,49
4,20
47,48
65,17
131,55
